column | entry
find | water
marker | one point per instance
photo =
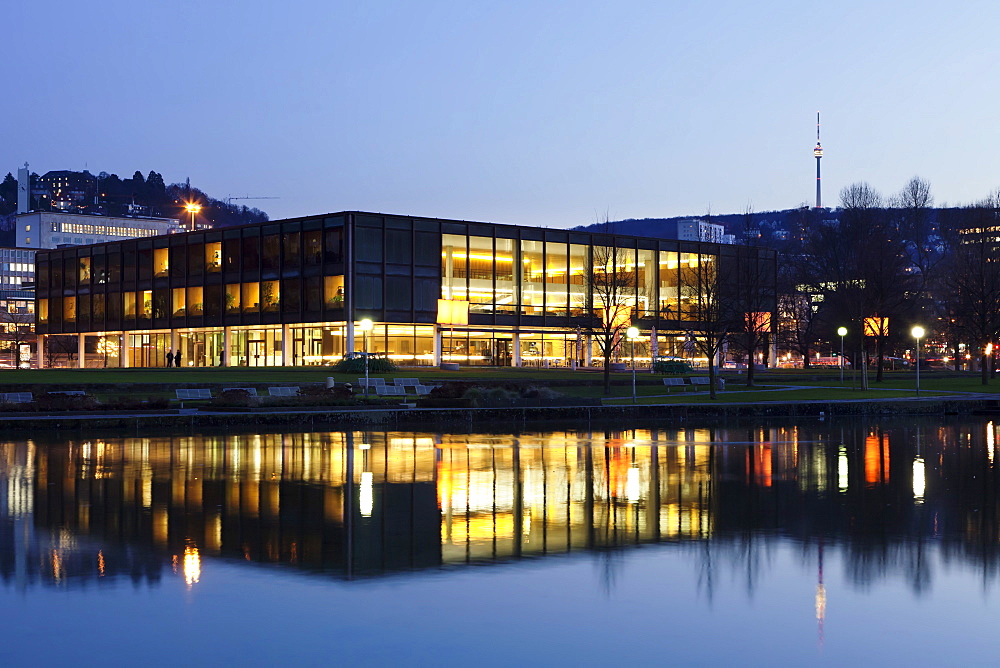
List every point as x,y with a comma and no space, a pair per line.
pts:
816,543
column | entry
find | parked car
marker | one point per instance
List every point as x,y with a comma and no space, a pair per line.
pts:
895,363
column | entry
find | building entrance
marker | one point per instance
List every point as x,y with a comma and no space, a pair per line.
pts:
503,352
255,352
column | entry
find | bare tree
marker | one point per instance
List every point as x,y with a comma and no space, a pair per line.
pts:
800,293
752,292
710,311
867,272
57,346
612,284
913,207
973,279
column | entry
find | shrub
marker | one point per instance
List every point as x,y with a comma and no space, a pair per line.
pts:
321,392
65,402
235,398
492,397
494,394
542,394
135,403
376,364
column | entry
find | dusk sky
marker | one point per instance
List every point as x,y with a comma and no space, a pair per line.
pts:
516,112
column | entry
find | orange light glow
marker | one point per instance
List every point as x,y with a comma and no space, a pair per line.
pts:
876,459
759,322
759,465
876,326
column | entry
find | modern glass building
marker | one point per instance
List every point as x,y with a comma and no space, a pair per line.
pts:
292,292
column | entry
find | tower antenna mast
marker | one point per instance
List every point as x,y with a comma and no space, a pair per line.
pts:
818,152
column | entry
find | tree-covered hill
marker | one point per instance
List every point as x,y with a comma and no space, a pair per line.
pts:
110,195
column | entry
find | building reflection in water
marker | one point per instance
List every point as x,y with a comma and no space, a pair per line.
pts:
358,504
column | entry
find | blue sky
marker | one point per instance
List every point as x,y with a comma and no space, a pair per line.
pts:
518,112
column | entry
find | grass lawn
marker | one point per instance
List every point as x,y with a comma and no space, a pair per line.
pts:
816,385
780,396
275,375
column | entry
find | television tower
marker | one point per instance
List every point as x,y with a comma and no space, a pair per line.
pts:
818,152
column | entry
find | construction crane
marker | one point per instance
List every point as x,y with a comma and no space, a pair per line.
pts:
229,200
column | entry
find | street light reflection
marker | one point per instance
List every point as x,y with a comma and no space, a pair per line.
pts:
192,564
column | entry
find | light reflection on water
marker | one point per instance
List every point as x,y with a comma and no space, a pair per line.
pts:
760,513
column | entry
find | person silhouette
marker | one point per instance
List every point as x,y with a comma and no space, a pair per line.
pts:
177,358
170,358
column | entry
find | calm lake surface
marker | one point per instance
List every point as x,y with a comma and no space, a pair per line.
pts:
817,543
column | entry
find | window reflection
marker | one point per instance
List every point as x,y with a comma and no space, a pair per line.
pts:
410,500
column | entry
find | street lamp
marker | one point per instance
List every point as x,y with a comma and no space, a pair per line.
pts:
633,333
193,209
918,333
366,325
843,332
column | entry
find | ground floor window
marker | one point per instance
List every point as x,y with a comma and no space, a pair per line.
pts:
316,346
200,348
255,347
324,344
548,349
149,349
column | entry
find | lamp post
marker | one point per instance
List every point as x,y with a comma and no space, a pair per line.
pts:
843,332
918,333
633,333
193,209
366,326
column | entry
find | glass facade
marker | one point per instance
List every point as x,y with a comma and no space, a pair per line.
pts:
289,292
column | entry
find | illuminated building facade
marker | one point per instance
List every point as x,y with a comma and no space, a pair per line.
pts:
288,293
45,229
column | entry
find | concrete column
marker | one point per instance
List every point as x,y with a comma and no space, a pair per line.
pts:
81,358
515,343
588,350
437,345
173,345
226,339
773,357
349,337
286,345
124,355
40,351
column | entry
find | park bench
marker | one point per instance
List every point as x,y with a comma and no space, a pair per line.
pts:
422,390
704,380
16,397
390,390
193,394
407,382
372,382
252,391
283,391
671,383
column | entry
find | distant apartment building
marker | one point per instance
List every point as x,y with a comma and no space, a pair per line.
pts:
44,229
17,306
698,230
66,190
17,268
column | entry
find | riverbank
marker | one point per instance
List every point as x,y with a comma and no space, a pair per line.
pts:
355,417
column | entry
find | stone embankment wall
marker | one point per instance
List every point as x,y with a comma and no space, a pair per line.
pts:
464,418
